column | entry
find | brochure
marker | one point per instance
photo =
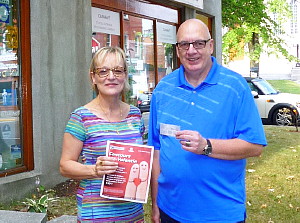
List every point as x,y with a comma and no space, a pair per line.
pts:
131,181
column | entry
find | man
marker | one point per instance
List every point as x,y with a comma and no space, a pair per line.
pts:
199,172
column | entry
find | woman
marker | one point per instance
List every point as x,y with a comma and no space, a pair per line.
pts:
104,118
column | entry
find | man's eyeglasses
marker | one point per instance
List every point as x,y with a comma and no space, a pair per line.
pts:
104,72
197,44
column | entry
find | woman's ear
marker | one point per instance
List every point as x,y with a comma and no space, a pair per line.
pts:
92,78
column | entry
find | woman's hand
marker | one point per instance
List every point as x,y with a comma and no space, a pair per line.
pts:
105,165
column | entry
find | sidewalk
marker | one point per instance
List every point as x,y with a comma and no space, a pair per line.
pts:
24,217
32,217
64,219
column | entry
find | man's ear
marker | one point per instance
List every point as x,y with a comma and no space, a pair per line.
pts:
177,51
211,46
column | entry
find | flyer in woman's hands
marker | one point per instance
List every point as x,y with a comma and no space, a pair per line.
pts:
131,181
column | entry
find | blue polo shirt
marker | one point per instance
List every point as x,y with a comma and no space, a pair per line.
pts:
195,188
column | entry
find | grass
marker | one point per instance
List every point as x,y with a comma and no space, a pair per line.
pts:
273,179
286,86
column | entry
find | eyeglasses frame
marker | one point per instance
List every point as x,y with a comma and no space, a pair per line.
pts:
108,70
204,41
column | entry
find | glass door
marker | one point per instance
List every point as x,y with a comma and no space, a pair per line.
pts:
11,154
148,61
166,50
139,49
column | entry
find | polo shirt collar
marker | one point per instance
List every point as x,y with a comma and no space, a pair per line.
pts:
211,78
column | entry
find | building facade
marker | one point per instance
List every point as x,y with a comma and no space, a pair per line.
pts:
45,50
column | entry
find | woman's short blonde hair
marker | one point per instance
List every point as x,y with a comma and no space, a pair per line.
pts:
101,55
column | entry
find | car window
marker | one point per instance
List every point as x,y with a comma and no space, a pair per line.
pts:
252,87
265,87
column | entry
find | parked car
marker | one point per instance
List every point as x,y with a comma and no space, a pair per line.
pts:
274,107
143,101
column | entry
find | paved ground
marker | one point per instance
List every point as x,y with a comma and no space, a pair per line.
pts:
31,217
64,219
24,217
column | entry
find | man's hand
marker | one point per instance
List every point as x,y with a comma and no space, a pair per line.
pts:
155,214
191,141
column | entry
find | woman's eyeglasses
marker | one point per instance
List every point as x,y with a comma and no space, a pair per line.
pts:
198,44
104,72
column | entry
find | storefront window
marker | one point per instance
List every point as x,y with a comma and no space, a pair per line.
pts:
150,54
11,150
166,55
139,49
101,39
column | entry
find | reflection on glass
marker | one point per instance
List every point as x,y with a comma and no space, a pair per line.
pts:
10,143
103,39
165,59
139,49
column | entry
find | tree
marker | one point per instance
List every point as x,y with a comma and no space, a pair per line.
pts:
249,26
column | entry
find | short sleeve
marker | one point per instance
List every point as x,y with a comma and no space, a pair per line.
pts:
248,122
75,127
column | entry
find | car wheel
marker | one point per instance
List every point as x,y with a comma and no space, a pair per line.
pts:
283,116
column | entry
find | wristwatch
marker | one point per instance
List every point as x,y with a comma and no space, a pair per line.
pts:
208,148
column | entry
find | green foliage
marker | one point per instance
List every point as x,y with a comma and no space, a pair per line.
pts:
168,48
129,97
250,27
242,12
39,203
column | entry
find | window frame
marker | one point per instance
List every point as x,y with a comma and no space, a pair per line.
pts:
24,61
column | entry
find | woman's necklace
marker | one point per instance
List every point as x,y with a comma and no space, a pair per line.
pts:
121,115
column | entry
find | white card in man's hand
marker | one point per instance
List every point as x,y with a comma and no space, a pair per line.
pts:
168,129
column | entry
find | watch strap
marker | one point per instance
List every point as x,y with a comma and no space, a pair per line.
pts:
208,148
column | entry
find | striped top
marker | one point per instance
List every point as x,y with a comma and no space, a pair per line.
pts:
94,133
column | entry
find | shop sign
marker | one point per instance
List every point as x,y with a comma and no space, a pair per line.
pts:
194,3
166,33
105,21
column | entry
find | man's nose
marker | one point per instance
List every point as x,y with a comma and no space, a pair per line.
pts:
191,47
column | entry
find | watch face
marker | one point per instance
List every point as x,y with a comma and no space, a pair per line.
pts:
3,13
208,148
